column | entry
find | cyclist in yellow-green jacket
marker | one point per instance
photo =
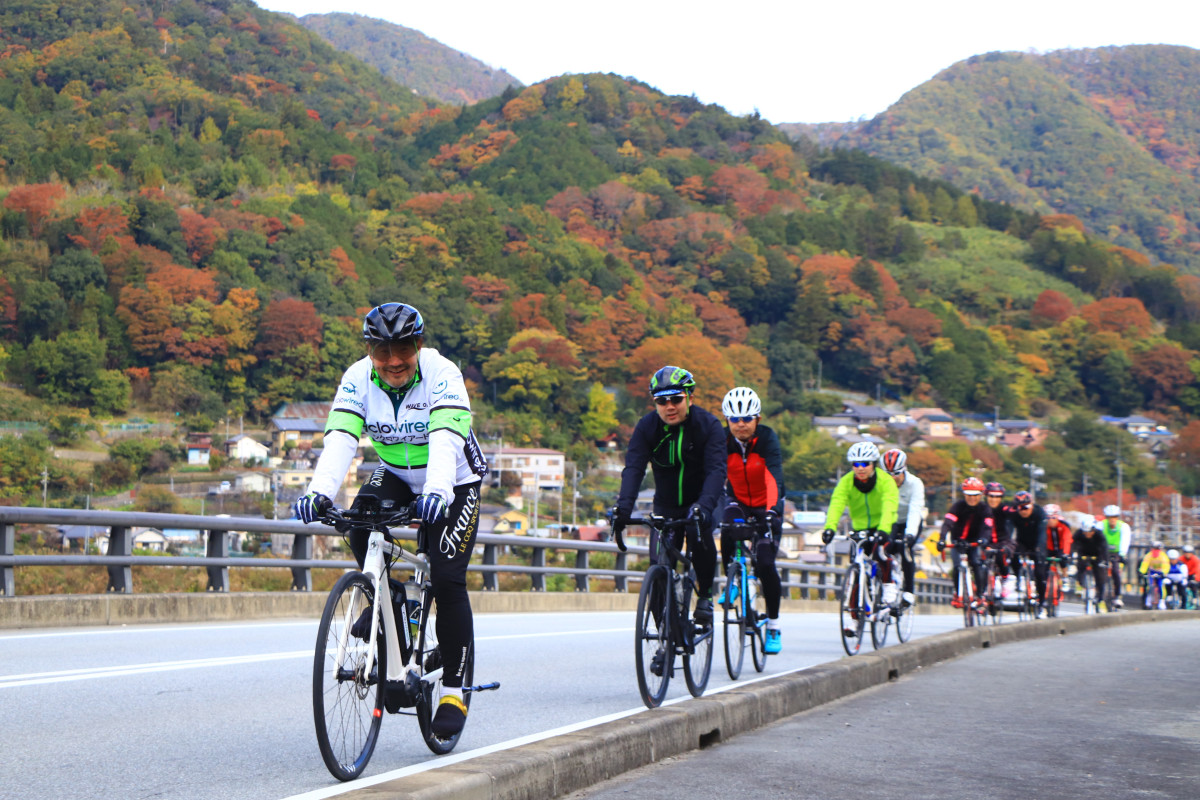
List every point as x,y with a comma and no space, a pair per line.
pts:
873,503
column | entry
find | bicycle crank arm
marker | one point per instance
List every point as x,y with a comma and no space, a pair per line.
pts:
486,687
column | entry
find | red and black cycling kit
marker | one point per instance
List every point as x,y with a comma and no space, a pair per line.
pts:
1058,539
754,483
973,524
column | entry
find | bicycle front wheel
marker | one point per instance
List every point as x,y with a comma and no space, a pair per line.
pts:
1089,593
735,637
851,615
756,624
654,650
431,659
1053,593
697,664
347,697
967,593
881,616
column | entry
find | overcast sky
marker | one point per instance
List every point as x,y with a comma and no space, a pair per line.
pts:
793,61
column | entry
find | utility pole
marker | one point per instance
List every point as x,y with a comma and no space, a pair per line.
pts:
1120,473
574,494
45,484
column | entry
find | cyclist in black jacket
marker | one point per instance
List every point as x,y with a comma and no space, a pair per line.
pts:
1029,538
685,447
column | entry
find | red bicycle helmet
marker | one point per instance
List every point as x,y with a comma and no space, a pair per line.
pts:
972,486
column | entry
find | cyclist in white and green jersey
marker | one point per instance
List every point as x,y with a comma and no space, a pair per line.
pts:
412,403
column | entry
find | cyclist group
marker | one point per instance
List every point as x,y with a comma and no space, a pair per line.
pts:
413,404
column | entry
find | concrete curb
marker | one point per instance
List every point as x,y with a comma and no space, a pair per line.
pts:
568,763
56,611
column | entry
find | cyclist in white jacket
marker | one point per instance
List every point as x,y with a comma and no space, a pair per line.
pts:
910,517
412,403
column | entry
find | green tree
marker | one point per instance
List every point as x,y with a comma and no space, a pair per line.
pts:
600,419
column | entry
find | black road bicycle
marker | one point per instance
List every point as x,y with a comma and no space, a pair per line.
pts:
374,625
666,625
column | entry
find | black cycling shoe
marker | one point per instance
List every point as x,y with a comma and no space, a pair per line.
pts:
450,717
703,614
657,663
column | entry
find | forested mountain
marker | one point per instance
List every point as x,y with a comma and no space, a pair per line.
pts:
200,199
411,58
1110,135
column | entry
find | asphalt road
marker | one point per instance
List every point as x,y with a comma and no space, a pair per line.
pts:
1108,714
223,712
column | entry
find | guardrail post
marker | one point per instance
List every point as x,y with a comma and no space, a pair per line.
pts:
218,547
490,582
120,544
8,540
538,579
621,583
302,548
581,577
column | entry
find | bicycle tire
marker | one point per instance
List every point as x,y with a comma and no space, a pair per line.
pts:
651,636
904,623
850,614
881,616
430,655
1089,593
756,630
735,636
967,594
697,660
1053,593
347,700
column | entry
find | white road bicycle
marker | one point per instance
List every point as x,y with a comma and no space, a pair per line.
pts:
372,626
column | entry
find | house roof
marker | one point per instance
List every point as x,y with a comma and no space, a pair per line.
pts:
523,451
306,409
833,421
864,411
300,425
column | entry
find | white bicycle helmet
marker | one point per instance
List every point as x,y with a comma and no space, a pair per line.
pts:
1112,511
862,451
1173,554
1087,523
741,401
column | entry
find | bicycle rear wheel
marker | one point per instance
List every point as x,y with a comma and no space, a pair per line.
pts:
431,659
735,636
347,699
881,616
904,623
654,650
756,624
697,665
850,614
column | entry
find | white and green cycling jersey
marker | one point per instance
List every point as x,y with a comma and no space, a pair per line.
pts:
421,433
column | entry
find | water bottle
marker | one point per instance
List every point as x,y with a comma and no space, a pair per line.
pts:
414,619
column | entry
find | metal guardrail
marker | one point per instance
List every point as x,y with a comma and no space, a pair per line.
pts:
810,581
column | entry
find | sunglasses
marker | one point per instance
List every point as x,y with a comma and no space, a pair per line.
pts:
740,419
674,400
861,464
385,351
996,496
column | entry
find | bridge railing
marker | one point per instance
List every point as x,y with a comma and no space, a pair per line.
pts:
809,581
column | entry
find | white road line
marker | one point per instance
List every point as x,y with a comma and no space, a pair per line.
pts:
87,673
457,758
151,628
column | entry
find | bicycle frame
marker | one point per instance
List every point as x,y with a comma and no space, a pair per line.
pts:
376,568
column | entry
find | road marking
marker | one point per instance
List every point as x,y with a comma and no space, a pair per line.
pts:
87,673
151,628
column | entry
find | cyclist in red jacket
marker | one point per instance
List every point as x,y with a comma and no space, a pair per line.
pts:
969,521
754,485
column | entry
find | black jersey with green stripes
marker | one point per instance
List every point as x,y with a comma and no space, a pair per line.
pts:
688,461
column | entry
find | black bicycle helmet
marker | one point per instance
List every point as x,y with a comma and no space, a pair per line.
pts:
391,322
994,487
672,380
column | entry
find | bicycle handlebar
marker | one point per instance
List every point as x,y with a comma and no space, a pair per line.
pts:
376,517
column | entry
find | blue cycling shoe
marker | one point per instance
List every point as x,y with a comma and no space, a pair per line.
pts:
730,595
773,644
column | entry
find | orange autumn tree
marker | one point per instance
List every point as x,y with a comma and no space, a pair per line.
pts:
692,351
1125,315
35,201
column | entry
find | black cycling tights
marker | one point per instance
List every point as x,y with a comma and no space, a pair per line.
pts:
701,549
450,546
